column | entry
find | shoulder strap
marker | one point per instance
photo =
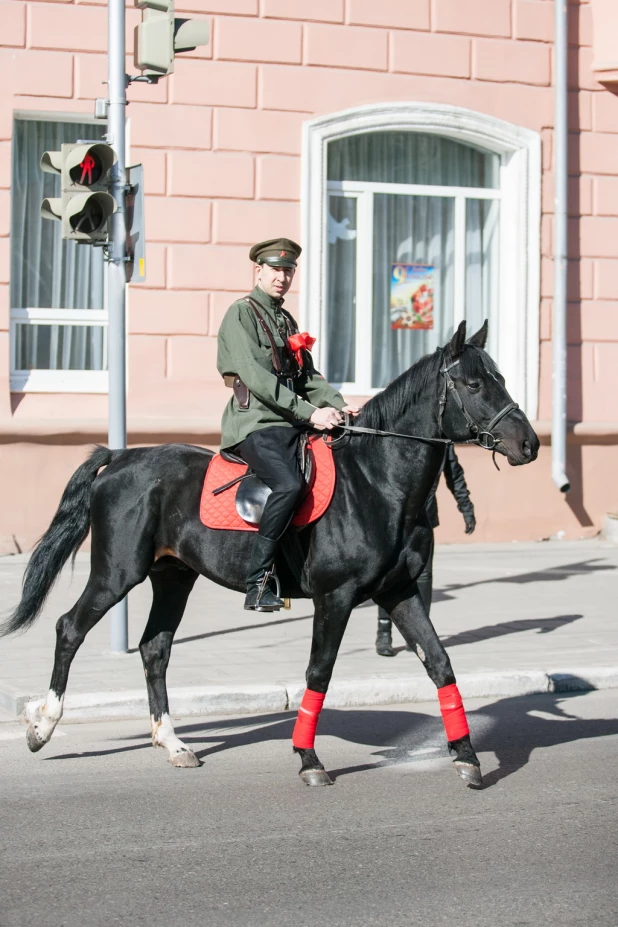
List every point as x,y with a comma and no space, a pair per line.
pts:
276,359
290,320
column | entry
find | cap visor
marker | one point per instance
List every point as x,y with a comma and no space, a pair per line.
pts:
279,262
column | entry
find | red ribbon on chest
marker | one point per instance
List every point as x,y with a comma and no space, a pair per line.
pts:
301,341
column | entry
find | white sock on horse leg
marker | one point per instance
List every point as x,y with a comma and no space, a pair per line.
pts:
44,717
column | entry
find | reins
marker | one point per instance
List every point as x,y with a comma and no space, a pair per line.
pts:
483,437
359,429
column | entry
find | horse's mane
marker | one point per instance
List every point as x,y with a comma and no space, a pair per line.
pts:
406,389
409,386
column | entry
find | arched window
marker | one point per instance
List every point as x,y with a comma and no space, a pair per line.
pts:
417,216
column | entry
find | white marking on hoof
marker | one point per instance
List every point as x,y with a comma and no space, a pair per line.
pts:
163,735
42,717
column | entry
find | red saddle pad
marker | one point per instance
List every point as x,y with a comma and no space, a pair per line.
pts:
220,511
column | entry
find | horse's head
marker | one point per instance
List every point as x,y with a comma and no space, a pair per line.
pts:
475,402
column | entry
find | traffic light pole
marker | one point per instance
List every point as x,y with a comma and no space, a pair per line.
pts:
116,269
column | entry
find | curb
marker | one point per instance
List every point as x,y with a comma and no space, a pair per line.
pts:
12,700
351,693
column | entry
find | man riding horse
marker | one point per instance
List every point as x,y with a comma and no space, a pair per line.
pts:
278,394
142,508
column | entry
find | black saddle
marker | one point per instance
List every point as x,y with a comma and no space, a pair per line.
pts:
252,493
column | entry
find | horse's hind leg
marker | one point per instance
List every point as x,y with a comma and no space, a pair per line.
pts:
171,586
410,617
100,594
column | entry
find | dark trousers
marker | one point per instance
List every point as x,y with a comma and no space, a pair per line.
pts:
272,453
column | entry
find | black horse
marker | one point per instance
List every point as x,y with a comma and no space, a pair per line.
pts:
372,543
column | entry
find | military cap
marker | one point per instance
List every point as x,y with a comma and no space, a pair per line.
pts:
278,252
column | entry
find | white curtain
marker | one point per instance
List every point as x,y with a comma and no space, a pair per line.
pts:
407,229
341,289
410,230
411,157
47,272
482,261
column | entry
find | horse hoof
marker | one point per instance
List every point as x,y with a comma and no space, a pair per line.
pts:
470,774
185,760
33,740
315,777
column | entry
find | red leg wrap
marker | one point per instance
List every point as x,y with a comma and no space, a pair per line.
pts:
307,721
453,713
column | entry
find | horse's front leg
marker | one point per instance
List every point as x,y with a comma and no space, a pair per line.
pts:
411,619
330,620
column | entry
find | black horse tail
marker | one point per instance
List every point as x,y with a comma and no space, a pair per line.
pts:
67,532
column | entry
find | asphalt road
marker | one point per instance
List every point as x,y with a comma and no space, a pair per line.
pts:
99,830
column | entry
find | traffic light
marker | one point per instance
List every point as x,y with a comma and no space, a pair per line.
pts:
85,205
160,35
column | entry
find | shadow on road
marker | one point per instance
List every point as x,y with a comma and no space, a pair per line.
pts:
515,730
510,728
550,575
490,631
444,594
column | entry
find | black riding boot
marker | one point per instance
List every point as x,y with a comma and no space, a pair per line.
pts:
384,639
260,581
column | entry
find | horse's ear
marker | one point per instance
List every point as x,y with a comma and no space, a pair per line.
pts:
480,339
458,340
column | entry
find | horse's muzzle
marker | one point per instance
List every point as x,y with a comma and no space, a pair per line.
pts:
523,451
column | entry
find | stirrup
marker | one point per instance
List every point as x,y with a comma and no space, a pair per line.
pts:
264,587
268,575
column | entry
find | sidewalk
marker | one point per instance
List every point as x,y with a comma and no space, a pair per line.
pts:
516,618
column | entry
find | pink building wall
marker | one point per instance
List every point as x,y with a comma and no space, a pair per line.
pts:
220,141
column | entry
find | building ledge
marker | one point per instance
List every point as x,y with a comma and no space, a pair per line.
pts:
604,47
580,429
608,76
207,430
150,429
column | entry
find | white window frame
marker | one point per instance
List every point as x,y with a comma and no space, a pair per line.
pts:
57,381
520,223
363,192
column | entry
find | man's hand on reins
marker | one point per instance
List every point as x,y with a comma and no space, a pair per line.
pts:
325,419
351,410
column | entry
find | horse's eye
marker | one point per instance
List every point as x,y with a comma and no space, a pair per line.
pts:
474,387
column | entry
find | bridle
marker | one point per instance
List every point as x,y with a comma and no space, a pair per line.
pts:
482,437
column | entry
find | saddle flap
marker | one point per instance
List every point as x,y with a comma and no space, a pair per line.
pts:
251,497
224,478
252,493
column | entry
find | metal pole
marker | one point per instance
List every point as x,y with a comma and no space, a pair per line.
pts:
559,332
116,270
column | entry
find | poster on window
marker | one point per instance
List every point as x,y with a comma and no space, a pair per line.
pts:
412,296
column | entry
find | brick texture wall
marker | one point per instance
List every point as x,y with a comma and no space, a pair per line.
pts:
221,144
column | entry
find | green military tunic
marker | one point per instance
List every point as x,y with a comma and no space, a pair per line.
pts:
245,350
